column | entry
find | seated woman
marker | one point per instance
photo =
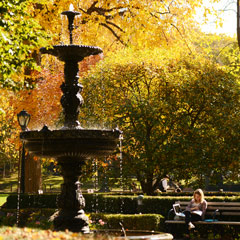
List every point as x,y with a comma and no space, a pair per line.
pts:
196,209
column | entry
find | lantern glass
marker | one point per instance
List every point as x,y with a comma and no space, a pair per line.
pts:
23,119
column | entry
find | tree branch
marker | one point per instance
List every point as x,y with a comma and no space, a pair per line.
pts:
224,48
91,9
115,25
113,32
182,37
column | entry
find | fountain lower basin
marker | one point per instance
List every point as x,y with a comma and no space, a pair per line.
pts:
71,148
132,234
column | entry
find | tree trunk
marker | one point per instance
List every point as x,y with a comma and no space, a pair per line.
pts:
147,185
33,180
238,22
4,170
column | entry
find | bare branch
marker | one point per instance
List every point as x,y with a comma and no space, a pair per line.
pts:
109,10
90,9
163,13
92,6
113,32
80,9
100,10
116,26
165,36
224,48
182,37
226,10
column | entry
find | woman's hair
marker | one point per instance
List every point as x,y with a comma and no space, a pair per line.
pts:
199,192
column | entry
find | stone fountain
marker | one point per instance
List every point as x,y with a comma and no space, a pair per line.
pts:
72,145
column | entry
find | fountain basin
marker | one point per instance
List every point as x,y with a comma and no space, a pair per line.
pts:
132,234
71,148
71,52
82,143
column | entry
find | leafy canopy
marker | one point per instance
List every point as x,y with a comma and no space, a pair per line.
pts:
113,24
176,110
20,35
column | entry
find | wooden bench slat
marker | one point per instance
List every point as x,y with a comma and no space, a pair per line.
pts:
203,222
232,209
227,213
230,213
225,209
210,213
224,204
237,204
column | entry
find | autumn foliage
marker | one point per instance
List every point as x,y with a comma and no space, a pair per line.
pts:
178,113
161,80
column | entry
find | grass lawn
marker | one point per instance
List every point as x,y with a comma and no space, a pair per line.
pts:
9,184
51,183
3,198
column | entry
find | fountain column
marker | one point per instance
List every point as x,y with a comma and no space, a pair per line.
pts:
71,100
71,201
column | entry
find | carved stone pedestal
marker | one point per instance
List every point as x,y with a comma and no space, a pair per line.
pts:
74,222
71,201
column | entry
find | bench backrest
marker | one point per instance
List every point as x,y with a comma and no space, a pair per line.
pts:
225,208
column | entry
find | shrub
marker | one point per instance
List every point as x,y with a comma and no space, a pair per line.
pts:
132,221
28,217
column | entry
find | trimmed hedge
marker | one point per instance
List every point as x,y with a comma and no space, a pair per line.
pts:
99,203
150,222
111,203
39,218
31,201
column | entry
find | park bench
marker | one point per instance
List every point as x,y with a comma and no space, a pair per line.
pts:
217,214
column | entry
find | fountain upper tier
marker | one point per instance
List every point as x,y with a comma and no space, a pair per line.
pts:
71,52
80,143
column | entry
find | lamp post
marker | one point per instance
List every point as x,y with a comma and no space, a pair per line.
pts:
23,120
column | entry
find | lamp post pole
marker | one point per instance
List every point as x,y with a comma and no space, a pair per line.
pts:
23,120
22,178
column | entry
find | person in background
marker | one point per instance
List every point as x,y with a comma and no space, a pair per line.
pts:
196,209
164,184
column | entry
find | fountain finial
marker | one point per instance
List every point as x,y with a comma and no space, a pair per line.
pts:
71,7
70,15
